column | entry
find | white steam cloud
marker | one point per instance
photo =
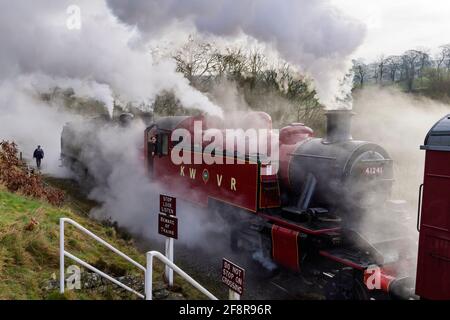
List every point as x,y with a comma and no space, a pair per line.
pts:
312,35
28,121
36,39
100,61
112,155
399,123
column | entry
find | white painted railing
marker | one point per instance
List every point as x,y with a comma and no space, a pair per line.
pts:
174,267
148,271
63,253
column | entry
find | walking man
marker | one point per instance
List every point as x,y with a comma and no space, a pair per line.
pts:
38,155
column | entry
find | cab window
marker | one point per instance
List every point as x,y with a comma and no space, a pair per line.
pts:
164,144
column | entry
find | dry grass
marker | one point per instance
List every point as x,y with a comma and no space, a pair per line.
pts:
16,178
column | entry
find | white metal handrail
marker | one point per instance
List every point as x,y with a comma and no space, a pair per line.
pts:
174,267
148,271
63,253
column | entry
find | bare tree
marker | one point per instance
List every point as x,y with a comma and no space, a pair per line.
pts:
424,62
380,69
270,78
203,64
196,60
443,59
393,64
361,71
257,62
256,65
411,59
232,64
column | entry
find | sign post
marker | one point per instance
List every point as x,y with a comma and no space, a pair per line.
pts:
168,226
233,278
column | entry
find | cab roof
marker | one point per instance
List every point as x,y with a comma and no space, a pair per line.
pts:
438,138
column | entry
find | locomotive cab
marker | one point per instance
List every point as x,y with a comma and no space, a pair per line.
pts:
156,145
160,131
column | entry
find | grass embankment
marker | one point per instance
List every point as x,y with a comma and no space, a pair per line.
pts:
29,244
77,201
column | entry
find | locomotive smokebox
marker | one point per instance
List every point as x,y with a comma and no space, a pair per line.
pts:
338,126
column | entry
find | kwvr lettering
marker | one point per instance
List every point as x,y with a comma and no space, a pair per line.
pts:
219,178
233,184
192,173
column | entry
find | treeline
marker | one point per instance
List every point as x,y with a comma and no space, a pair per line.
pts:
258,83
416,71
274,87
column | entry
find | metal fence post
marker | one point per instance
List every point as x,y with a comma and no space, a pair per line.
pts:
233,295
166,253
149,277
171,260
61,256
169,255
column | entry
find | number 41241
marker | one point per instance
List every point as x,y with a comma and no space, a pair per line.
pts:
371,171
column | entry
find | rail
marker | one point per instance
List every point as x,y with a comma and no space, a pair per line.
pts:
63,253
148,271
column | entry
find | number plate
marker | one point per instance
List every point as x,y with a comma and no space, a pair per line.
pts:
373,171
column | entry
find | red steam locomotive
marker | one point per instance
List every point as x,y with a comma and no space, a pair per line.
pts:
326,208
329,201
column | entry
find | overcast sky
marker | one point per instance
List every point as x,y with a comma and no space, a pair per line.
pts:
398,25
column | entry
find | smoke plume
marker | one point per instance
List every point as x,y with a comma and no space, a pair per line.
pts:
28,121
35,39
312,35
100,61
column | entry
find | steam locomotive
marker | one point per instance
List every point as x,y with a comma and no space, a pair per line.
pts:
322,207
327,204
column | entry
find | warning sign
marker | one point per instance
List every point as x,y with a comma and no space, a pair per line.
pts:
233,276
168,205
168,226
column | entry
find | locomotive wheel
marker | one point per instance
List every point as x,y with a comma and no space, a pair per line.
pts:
345,285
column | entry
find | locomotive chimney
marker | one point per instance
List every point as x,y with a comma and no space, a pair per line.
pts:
338,126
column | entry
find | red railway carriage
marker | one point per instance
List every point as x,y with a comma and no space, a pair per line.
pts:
433,267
